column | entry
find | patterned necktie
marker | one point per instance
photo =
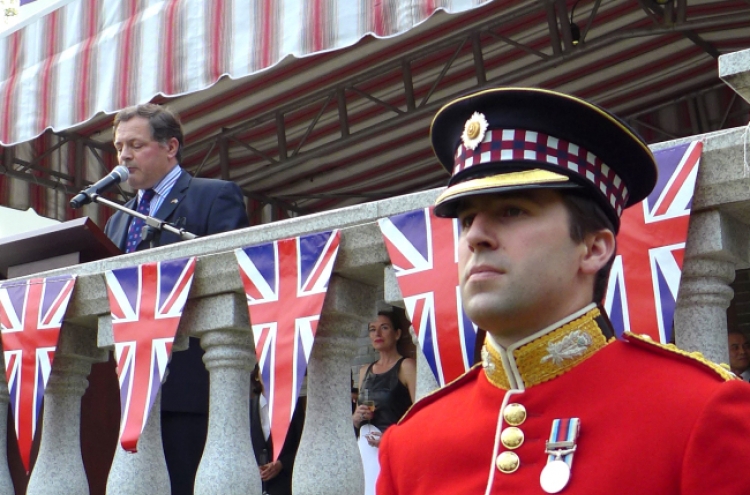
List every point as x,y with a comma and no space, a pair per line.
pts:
136,225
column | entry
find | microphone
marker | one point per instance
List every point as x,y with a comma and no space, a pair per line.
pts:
119,174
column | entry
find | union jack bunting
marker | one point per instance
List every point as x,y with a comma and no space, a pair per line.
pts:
31,315
146,303
642,289
286,282
423,252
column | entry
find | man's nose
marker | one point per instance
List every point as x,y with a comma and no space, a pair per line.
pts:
480,233
125,154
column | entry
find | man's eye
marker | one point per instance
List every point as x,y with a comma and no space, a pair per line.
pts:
466,221
512,211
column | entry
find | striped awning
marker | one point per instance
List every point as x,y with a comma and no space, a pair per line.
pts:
92,56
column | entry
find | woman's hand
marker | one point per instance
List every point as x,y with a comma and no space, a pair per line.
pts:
270,470
361,414
373,439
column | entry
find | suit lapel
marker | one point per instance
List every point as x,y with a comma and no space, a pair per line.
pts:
175,196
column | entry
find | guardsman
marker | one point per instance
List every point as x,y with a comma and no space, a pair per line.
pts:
558,405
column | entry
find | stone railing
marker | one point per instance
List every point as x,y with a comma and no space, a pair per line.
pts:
328,460
216,312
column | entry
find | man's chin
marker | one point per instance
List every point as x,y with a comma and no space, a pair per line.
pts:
483,314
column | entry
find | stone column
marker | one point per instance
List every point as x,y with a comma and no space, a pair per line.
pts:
59,468
426,381
328,458
228,464
6,483
715,242
145,471
701,314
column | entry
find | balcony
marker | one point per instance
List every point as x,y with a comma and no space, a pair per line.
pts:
216,312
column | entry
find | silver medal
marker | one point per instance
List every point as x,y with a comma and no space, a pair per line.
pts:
555,476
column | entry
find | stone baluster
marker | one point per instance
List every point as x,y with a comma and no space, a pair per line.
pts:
145,471
328,459
426,381
59,467
6,483
228,464
715,241
701,314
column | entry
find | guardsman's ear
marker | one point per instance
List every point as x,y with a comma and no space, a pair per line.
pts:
599,248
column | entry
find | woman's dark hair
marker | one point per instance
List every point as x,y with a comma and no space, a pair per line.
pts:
400,321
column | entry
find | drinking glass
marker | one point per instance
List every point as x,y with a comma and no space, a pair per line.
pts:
364,399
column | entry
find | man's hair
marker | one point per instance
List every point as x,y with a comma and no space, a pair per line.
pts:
585,216
165,124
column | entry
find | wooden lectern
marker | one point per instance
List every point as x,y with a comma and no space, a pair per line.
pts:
58,246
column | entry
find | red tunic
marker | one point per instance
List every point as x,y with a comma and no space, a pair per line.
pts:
653,420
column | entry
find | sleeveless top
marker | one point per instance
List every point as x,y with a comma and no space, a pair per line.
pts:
391,397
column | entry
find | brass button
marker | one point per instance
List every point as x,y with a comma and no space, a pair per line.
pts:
512,437
514,414
507,462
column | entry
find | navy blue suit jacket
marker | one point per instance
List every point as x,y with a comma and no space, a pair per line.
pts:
202,207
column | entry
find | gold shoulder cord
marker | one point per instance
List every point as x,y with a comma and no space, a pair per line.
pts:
695,356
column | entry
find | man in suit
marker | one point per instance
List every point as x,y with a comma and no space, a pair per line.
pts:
149,141
276,475
739,354
558,405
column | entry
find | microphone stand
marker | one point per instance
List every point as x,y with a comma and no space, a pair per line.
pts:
153,227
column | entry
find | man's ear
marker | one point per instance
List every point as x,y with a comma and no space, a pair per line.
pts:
173,146
600,247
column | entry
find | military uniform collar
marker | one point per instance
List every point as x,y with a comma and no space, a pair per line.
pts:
548,353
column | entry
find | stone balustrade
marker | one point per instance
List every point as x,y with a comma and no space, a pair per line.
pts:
328,461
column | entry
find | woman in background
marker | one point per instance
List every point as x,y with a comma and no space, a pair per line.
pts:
386,390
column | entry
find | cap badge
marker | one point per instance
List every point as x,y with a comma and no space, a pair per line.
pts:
474,130
571,346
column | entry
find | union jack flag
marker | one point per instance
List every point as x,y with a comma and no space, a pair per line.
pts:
423,251
286,282
146,303
31,315
645,277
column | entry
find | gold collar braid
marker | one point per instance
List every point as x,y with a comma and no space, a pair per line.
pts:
547,355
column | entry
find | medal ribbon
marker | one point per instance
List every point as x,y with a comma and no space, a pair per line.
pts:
563,437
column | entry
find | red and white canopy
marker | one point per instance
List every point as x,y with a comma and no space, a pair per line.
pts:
301,104
92,56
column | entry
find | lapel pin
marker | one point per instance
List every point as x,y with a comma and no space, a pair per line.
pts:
174,201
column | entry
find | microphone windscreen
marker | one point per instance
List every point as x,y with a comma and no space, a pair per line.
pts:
122,172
